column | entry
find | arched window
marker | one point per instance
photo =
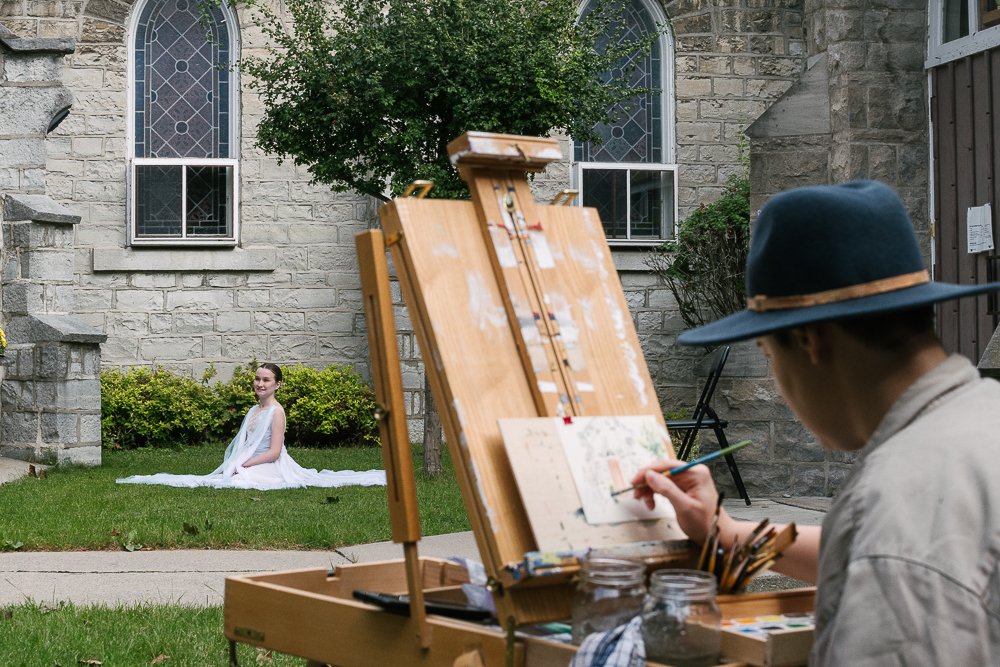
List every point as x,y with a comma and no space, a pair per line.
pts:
630,176
183,129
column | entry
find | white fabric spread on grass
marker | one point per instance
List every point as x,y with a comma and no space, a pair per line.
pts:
283,473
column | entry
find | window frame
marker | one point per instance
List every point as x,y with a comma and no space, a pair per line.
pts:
668,130
979,39
132,161
184,239
580,167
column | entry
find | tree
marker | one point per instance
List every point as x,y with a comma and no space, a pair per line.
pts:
368,93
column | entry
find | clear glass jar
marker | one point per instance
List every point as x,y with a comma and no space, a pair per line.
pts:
610,592
680,619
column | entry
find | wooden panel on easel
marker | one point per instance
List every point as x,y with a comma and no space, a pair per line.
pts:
585,282
475,367
442,253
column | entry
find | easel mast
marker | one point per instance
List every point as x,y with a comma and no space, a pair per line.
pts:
522,318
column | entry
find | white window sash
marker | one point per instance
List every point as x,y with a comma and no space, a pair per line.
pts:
629,167
940,52
232,191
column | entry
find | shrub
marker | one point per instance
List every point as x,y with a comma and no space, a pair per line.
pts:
704,266
156,408
328,407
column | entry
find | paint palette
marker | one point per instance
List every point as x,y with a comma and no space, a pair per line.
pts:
774,640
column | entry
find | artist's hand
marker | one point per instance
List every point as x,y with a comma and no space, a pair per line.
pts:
692,493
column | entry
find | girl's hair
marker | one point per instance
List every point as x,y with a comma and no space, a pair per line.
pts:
274,368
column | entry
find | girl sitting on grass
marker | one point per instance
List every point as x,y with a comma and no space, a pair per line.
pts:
257,458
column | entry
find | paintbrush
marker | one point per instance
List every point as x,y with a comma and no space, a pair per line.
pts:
702,559
689,465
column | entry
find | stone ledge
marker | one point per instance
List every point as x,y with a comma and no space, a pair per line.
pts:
37,208
632,259
35,44
989,364
208,259
62,329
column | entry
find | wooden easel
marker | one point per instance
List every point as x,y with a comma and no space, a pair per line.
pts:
518,312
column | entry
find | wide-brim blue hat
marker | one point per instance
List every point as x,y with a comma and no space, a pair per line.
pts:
830,252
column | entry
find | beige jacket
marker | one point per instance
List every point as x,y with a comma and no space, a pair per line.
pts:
909,555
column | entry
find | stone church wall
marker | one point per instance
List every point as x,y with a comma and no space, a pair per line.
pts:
290,293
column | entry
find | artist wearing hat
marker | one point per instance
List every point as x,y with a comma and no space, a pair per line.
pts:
839,301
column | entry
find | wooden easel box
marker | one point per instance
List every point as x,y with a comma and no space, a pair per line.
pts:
444,255
310,613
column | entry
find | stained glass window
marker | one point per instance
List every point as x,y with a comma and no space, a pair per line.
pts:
184,172
636,202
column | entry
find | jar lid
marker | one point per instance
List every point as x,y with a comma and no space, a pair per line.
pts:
693,584
611,571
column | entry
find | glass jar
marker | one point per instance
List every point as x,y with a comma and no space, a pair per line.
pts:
680,619
610,592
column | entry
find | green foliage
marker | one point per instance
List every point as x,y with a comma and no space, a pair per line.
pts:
370,92
156,408
332,404
704,266
141,407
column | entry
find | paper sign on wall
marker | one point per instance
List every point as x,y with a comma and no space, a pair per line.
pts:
979,223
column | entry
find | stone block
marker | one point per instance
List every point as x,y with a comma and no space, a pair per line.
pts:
17,395
306,298
222,299
19,427
216,280
84,454
48,265
278,322
60,427
232,321
292,347
154,280
22,297
212,346
253,298
245,347
141,300
125,349
793,442
51,361
330,322
343,349
95,31
119,323
78,394
170,348
808,480
761,479
160,323
194,323
688,87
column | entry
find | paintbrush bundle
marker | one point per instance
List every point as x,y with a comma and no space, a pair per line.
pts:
746,558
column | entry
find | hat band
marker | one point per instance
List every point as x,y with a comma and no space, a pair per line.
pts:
762,303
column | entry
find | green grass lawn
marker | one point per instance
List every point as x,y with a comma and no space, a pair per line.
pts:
83,508
170,636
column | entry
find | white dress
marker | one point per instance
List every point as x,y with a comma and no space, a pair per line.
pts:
283,473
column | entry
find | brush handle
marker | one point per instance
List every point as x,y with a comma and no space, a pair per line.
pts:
687,466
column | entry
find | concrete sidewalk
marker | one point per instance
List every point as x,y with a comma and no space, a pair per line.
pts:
196,577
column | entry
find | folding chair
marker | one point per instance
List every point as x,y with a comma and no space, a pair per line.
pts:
704,417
